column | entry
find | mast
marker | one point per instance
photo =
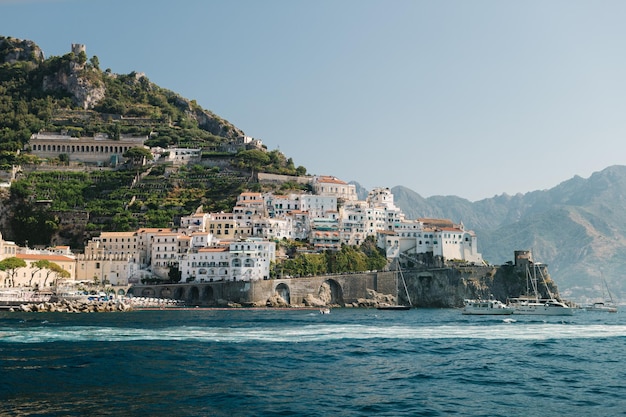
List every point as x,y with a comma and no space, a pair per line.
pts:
406,290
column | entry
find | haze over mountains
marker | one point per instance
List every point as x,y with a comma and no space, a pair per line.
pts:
578,228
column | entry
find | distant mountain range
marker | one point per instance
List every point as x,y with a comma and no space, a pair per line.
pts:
578,228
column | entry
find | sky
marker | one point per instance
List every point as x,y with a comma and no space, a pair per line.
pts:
472,98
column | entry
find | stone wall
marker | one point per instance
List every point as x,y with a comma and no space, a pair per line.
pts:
427,288
342,290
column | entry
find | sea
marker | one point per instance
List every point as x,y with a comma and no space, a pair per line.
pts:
292,362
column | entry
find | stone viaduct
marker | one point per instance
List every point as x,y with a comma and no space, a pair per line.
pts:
344,289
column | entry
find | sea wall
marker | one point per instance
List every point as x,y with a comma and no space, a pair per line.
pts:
339,290
432,288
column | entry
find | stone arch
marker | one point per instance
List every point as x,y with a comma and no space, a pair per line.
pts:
178,293
331,292
207,294
283,290
194,295
148,292
166,292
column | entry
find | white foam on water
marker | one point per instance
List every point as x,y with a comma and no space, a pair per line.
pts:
310,333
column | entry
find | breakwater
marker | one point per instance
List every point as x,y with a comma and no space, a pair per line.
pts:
72,306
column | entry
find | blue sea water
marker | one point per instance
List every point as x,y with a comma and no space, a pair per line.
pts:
352,362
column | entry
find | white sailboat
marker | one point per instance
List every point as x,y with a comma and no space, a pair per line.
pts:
533,305
607,306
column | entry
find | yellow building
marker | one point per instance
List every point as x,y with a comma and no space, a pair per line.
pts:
31,276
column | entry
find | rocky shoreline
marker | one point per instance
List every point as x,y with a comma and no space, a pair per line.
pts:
66,306
373,300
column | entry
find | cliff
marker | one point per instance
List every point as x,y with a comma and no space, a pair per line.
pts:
14,50
448,287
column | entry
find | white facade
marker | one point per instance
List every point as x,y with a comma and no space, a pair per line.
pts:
206,265
7,249
164,250
247,260
318,205
451,242
330,186
97,149
250,259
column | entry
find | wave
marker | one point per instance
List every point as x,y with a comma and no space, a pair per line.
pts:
307,333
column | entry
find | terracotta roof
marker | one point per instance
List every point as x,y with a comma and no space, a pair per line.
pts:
331,180
37,257
452,229
107,234
214,249
437,222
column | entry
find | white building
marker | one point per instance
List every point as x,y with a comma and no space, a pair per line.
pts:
439,236
99,149
247,260
251,259
206,265
318,205
7,249
331,186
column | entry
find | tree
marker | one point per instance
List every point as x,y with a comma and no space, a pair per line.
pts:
57,270
253,159
175,274
36,267
138,155
95,62
10,266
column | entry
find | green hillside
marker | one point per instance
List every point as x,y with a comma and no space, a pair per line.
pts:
54,201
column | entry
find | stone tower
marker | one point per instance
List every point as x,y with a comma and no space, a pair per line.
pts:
77,48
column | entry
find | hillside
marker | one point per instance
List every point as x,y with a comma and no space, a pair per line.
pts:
60,201
578,228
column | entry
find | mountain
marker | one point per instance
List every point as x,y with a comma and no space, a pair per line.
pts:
63,200
578,228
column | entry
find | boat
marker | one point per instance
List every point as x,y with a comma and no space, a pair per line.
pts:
533,305
392,307
536,306
486,307
601,306
607,306
324,310
399,307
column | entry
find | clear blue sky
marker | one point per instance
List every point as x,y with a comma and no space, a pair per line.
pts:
451,97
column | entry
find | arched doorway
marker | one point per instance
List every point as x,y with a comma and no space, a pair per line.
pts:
330,291
283,290
207,294
178,294
194,295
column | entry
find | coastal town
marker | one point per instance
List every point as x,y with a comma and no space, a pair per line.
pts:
241,245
